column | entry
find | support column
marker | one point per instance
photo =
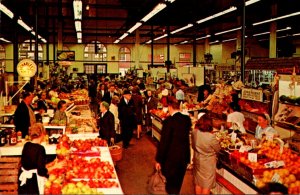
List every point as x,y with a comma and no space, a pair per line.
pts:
195,52
168,63
243,41
60,27
239,34
273,35
33,80
152,45
54,41
137,48
15,49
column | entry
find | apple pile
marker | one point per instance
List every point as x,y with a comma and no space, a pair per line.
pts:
63,147
78,188
86,145
94,168
55,182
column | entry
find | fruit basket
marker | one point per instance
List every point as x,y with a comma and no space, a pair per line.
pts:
116,152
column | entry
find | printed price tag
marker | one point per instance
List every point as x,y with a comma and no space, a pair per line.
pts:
276,178
252,157
243,149
269,136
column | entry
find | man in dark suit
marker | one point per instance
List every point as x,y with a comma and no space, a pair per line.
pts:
173,152
106,123
150,104
24,116
127,117
109,94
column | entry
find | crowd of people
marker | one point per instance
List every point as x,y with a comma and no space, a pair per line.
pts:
124,110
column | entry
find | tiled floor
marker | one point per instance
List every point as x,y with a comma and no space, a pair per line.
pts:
138,163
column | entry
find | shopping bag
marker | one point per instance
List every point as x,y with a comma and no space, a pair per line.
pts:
157,183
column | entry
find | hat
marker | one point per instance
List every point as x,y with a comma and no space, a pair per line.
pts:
126,91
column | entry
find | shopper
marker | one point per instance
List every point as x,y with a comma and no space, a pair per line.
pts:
127,117
42,101
24,116
179,94
264,128
113,108
150,104
138,106
203,92
33,163
205,147
235,118
109,94
106,124
60,116
173,152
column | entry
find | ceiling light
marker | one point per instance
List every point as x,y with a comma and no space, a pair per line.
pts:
164,35
228,40
79,40
279,30
207,36
123,36
77,5
116,41
138,24
182,28
183,42
296,34
217,41
217,15
170,1
157,9
25,26
44,40
6,11
251,2
282,36
227,31
5,40
277,18
78,26
87,7
33,33
79,35
148,42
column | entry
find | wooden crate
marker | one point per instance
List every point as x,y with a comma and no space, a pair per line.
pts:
9,167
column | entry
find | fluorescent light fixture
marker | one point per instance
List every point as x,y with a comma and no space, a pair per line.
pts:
5,40
228,40
284,29
277,18
170,1
33,33
217,41
78,26
251,2
6,11
296,34
279,30
231,9
44,40
116,41
79,40
182,28
263,33
79,35
163,36
148,42
124,35
25,26
157,9
138,24
282,36
183,42
77,6
207,36
227,31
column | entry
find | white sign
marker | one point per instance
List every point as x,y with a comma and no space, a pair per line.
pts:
252,94
252,157
26,68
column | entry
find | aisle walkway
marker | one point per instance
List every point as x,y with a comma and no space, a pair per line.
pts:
138,163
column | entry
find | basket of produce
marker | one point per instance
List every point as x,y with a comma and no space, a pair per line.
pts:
116,152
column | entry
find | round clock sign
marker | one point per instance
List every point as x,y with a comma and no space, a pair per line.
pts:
26,68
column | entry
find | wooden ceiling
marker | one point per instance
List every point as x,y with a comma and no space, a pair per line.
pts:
107,20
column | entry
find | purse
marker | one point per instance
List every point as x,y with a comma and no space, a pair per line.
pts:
157,183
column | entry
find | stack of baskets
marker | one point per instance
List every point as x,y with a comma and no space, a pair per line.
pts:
9,167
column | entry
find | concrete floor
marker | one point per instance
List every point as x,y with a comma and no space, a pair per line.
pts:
137,165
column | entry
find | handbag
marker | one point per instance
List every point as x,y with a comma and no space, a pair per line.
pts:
157,183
